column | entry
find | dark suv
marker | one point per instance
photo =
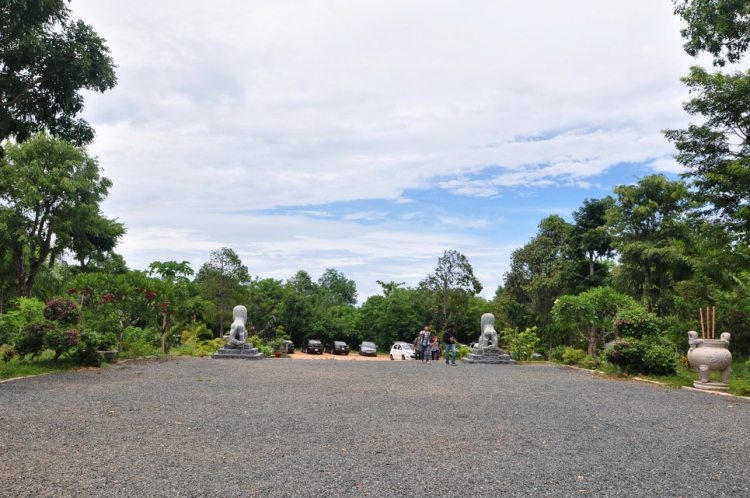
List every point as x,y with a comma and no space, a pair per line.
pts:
337,347
311,346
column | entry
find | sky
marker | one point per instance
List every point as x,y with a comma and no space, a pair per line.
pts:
371,136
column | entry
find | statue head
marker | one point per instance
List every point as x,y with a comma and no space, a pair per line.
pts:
488,322
240,312
725,336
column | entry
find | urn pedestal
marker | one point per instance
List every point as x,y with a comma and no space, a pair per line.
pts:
710,355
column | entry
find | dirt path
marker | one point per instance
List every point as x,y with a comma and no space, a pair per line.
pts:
328,356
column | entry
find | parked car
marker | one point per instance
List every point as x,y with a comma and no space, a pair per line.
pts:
368,349
402,350
337,347
311,346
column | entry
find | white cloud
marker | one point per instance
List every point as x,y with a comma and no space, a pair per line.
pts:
227,109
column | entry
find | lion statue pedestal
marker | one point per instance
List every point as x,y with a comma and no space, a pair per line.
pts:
236,346
488,351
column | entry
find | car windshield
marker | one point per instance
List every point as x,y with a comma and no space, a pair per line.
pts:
314,343
340,343
407,346
368,345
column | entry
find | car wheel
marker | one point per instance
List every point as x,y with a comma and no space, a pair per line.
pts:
403,357
391,356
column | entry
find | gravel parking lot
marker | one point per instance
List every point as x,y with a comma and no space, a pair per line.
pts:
193,427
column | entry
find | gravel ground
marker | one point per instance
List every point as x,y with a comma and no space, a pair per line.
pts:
193,427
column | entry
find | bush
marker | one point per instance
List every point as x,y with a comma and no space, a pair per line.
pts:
573,356
61,341
523,343
62,311
637,323
557,353
31,340
653,356
12,323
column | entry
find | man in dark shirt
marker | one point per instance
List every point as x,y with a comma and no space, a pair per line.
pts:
449,338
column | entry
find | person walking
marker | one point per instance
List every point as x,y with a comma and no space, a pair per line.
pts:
424,344
449,338
435,348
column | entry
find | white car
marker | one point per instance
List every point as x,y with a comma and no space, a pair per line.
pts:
402,351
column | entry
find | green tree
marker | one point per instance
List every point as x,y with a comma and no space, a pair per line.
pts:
590,244
648,222
264,306
397,316
45,61
719,27
47,188
221,280
298,306
591,313
173,292
450,288
717,152
335,288
537,277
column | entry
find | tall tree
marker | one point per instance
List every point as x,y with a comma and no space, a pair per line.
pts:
590,242
719,27
537,277
450,287
45,61
648,221
717,152
221,280
47,188
335,288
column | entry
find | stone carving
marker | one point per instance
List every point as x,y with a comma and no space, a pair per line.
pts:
709,355
488,335
488,351
238,333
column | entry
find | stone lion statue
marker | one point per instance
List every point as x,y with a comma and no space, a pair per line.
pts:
238,333
488,336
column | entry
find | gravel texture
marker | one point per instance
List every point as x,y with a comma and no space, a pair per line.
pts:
199,427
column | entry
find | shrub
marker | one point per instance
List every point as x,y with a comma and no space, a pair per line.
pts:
654,356
8,354
31,340
12,323
61,341
557,353
573,356
62,311
523,343
637,323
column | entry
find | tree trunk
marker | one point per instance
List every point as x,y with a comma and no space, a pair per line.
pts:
592,339
164,333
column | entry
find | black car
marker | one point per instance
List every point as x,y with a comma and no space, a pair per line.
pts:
337,347
368,349
311,346
287,348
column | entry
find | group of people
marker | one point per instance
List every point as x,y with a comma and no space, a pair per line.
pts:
428,346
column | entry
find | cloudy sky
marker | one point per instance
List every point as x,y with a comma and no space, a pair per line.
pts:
370,136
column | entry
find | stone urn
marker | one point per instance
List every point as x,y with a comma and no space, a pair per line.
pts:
710,355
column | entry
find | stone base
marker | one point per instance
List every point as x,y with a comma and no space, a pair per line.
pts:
711,386
242,352
492,356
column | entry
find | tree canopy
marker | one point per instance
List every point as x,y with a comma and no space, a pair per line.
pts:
46,59
719,27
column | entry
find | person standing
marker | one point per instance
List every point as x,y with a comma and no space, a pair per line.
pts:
449,338
424,344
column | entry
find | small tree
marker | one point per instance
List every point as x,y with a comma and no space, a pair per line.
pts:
591,313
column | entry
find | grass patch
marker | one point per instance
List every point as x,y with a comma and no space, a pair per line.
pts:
38,366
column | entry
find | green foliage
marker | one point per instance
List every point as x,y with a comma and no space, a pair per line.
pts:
649,356
716,153
222,281
61,340
46,60
720,28
450,288
636,322
49,189
573,356
522,343
31,339
29,310
8,353
557,353
138,342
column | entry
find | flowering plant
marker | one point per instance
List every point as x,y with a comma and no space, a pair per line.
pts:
62,311
61,341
